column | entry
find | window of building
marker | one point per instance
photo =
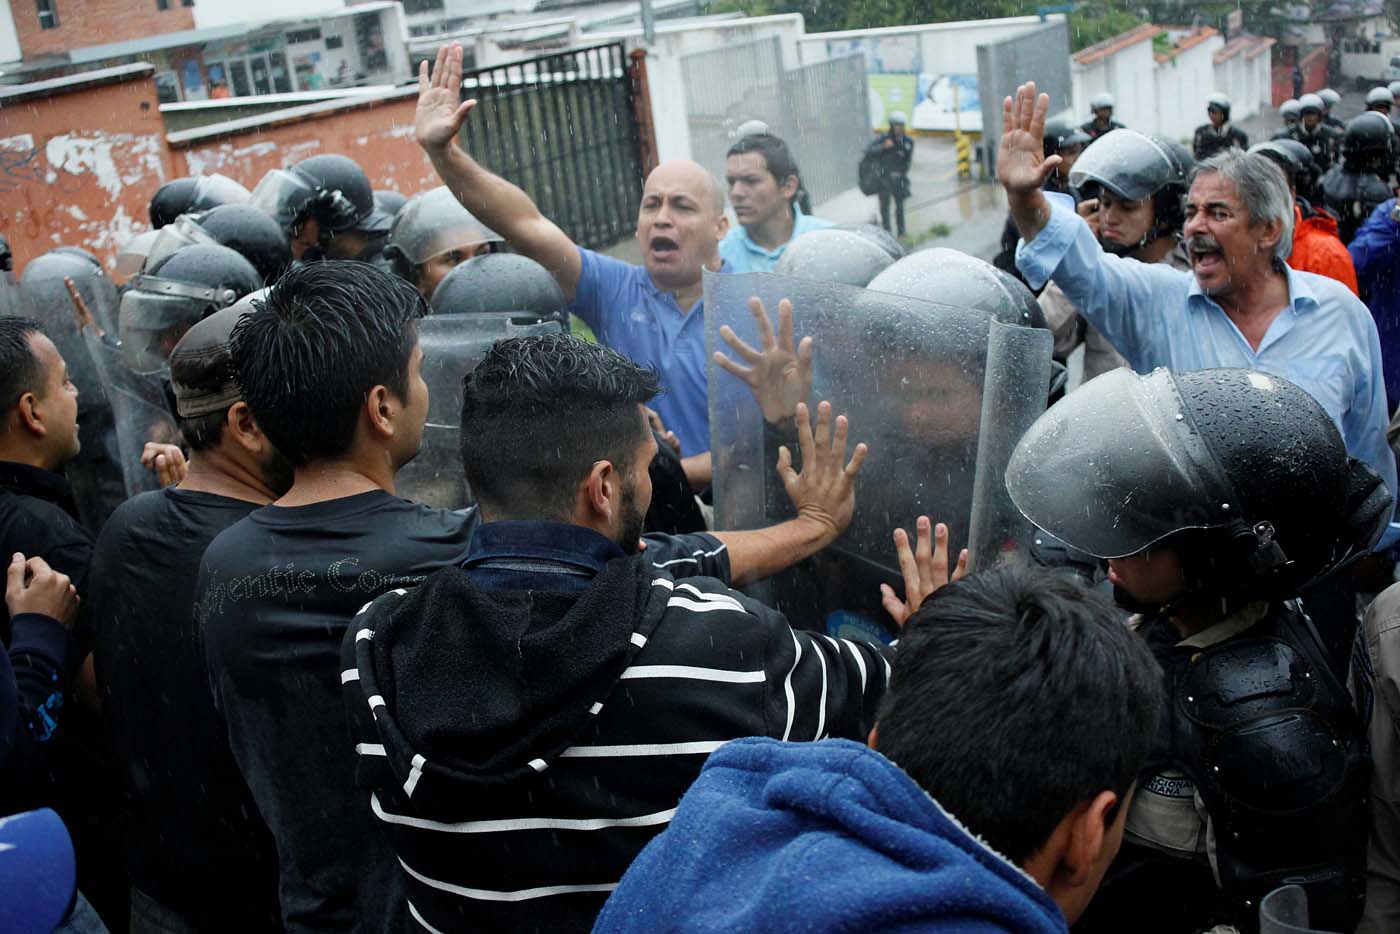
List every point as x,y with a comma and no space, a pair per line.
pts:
421,6
186,2
303,35
334,42
162,4
48,14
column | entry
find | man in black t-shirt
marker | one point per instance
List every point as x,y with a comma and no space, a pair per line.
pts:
331,366
198,853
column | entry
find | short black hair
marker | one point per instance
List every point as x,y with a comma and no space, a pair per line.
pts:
20,369
1017,694
309,353
776,156
539,411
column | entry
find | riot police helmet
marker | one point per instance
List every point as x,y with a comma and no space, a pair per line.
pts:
1368,144
501,283
1291,156
390,202
255,236
833,255
431,224
1248,461
1101,101
951,277
45,297
1061,135
1330,98
1394,89
195,193
1311,102
1290,110
333,189
1218,102
1129,164
7,258
878,236
183,288
1379,97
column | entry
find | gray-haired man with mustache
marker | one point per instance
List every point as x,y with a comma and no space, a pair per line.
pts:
1240,305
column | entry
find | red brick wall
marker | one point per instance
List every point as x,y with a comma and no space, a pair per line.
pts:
95,22
78,166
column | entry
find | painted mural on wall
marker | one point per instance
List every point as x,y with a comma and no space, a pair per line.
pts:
930,100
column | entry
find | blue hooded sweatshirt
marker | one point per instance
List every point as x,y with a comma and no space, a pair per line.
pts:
825,836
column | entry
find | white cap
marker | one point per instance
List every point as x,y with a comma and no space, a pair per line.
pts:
1100,101
1217,100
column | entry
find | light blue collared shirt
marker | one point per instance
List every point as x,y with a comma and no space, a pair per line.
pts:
1325,341
739,251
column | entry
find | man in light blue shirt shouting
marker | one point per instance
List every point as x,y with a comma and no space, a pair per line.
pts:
1239,306
765,191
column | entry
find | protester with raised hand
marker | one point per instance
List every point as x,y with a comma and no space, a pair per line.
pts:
1240,305
652,313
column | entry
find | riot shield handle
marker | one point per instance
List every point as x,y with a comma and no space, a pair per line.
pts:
81,312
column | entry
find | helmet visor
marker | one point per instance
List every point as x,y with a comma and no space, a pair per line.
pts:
182,233
1126,163
433,223
1118,465
213,190
156,313
283,196
131,258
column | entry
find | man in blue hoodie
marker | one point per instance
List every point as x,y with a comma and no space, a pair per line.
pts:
992,796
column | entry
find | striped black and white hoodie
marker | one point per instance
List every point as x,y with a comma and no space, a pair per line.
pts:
519,748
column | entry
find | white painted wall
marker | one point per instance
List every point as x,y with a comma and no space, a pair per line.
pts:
952,47
9,38
225,12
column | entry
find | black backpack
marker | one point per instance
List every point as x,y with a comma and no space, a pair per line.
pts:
870,172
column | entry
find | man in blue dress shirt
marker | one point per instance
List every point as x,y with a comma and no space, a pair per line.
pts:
651,313
1239,306
766,192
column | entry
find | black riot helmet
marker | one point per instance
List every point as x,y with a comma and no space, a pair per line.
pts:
1292,157
196,193
7,258
333,189
431,224
1136,167
47,300
390,202
1243,473
833,255
955,278
1368,145
1061,134
175,293
500,283
252,234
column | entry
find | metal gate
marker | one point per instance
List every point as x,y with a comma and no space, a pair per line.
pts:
564,128
820,110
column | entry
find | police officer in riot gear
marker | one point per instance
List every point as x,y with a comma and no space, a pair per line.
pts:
1330,99
1217,135
1354,188
1380,100
252,234
1217,496
1312,132
326,207
196,193
1133,188
390,202
834,254
1289,112
1297,164
173,295
1102,122
432,235
498,283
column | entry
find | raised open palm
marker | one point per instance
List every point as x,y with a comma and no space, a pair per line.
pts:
441,110
1021,161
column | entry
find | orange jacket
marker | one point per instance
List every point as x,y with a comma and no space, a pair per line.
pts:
1317,248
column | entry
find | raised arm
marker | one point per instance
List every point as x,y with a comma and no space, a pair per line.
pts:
494,201
1022,166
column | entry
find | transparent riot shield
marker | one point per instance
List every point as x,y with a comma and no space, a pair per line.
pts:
452,345
10,296
139,413
920,382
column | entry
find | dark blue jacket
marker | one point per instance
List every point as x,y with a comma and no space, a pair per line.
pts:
827,836
1375,251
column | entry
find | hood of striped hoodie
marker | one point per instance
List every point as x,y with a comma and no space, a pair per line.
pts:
468,685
